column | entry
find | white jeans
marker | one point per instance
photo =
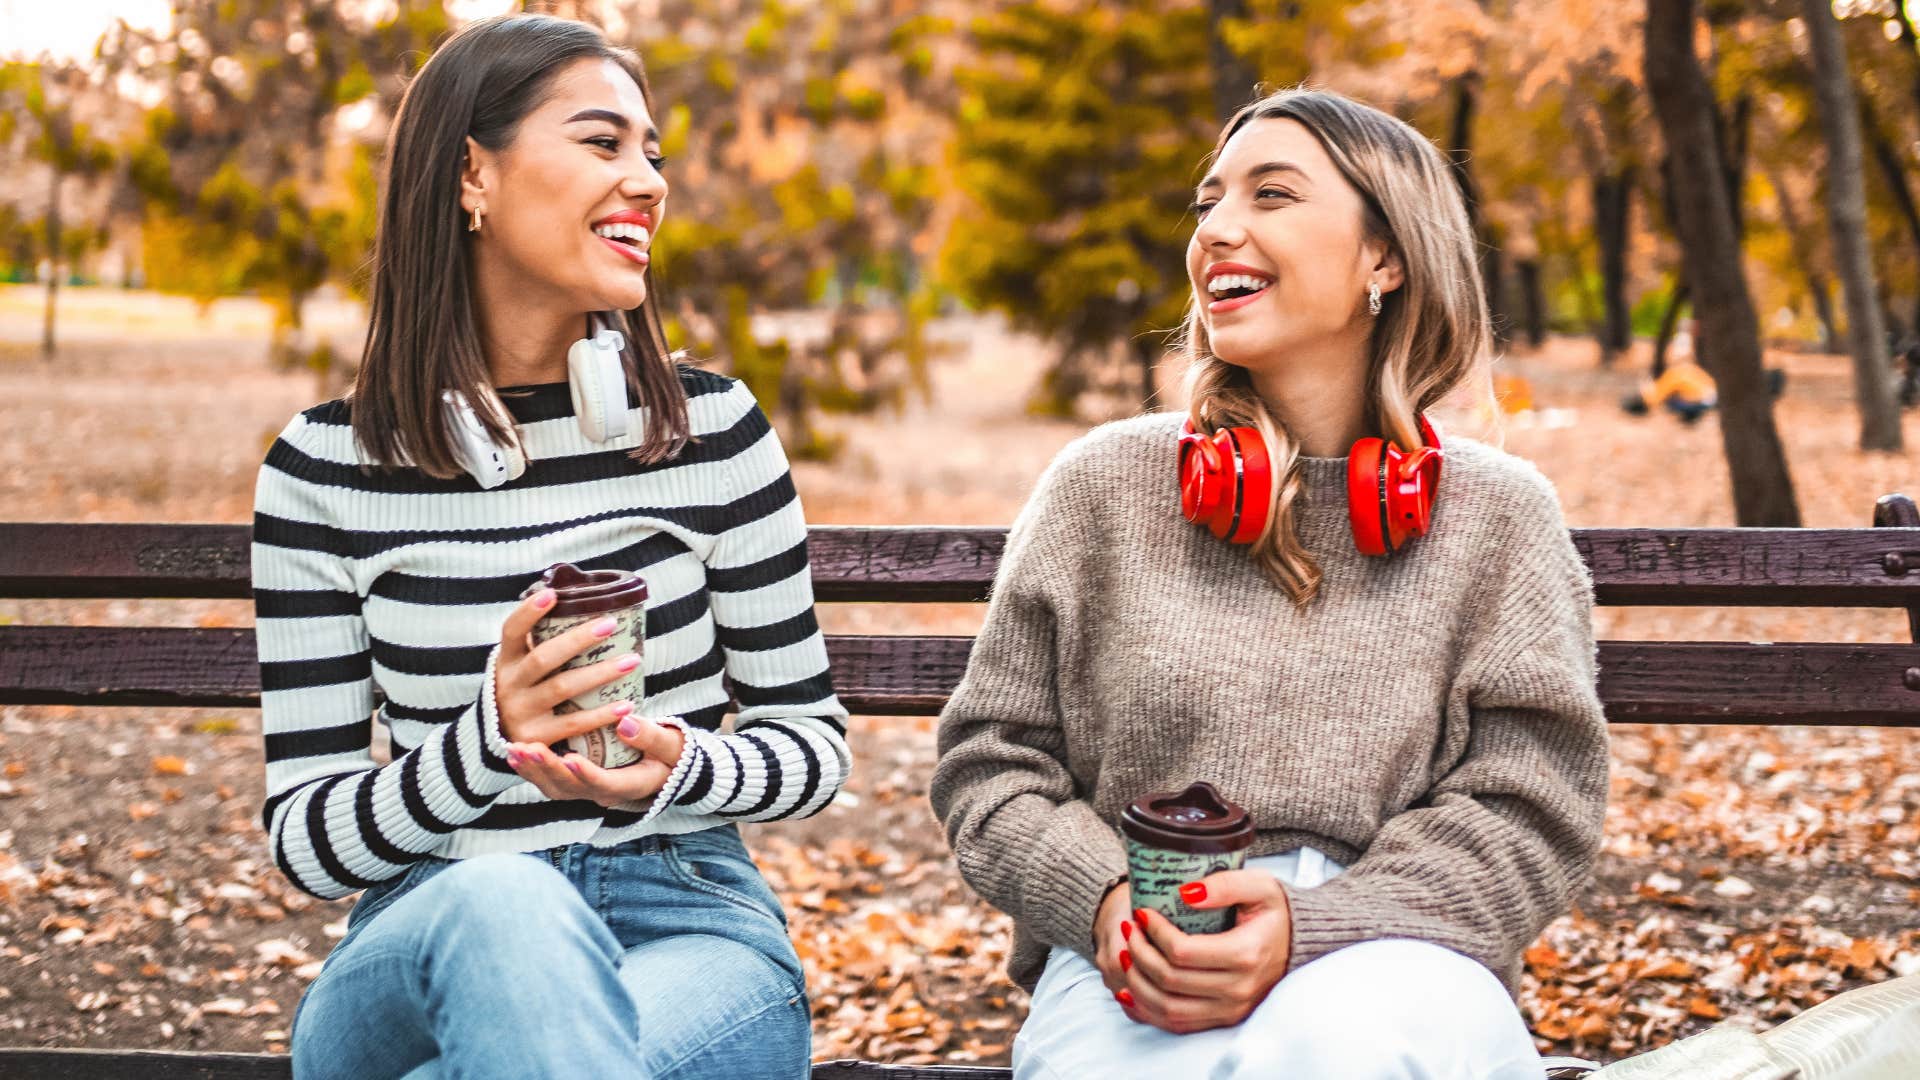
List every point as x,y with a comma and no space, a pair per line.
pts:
1392,1009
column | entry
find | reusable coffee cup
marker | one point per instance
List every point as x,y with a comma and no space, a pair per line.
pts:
585,596
1180,836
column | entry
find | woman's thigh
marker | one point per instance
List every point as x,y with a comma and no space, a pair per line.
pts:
712,973
456,957
1382,1010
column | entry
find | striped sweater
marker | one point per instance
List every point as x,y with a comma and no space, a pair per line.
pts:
393,583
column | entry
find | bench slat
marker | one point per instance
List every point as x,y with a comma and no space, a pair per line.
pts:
885,675
888,564
28,1064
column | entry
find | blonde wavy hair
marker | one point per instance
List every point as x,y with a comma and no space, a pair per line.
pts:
1432,335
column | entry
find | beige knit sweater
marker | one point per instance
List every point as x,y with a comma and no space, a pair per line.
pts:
1430,720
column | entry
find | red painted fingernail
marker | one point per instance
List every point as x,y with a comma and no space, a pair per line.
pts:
1124,997
629,662
1140,916
1126,960
543,599
605,627
1126,930
1193,893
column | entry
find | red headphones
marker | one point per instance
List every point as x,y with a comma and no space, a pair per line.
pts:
1226,484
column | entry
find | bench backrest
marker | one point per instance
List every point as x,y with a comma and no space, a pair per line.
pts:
1640,681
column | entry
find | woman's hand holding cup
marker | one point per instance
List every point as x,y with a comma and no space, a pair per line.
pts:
531,682
1183,982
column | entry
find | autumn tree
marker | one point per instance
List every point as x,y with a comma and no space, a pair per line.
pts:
803,143
39,122
256,167
1847,220
1082,128
1710,248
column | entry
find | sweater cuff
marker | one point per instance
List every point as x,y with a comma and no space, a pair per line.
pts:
482,742
1325,919
708,774
691,757
1074,861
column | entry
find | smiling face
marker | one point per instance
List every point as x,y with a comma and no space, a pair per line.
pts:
570,205
1280,259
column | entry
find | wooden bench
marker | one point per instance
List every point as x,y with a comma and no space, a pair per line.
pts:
1641,682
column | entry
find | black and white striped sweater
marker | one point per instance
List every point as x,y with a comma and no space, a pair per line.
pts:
396,582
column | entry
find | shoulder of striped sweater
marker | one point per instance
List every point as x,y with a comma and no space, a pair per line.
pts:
335,413
1501,485
312,427
699,382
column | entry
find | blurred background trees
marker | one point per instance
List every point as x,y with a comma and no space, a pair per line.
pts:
844,170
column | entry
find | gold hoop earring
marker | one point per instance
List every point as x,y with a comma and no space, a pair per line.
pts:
1373,298
473,222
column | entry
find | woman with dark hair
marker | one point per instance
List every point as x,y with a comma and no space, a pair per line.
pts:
1410,724
527,912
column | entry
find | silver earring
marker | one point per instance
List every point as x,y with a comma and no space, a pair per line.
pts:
473,222
1373,298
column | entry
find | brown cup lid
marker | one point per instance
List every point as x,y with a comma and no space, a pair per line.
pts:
589,592
1197,820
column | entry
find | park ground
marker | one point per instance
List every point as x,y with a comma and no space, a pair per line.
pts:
1748,873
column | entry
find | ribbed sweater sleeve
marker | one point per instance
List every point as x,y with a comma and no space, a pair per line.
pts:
338,822
1496,849
1023,836
787,756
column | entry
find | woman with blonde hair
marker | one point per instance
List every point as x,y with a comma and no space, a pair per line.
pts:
1393,676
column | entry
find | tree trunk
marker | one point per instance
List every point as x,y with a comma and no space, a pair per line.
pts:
1533,302
1146,353
1729,339
1234,81
1460,154
1894,172
1803,254
1847,221
1612,204
1669,322
53,261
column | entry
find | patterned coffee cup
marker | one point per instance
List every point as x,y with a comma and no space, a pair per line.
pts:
1176,837
586,596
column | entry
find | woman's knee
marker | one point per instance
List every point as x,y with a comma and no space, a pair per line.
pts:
1386,1009
506,898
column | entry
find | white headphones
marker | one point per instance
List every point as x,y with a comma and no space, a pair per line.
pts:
598,381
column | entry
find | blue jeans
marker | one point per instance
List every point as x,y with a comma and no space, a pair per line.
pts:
662,957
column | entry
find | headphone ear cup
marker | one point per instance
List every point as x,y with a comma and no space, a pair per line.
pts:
1256,484
1365,496
489,463
597,380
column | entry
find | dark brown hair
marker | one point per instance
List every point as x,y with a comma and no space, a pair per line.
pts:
423,338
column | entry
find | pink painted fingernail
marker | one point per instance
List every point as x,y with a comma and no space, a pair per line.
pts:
629,728
622,708
543,599
574,768
629,662
605,627
513,759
